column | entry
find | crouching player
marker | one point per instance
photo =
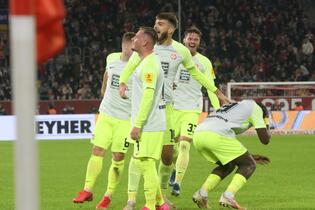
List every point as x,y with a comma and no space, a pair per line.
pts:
215,139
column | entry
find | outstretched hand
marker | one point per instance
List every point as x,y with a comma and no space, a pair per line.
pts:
260,159
122,90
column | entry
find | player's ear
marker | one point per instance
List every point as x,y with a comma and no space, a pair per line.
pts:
171,30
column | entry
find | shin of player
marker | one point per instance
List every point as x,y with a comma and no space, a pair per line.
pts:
111,129
215,139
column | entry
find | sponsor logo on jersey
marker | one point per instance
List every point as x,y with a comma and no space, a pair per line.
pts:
115,81
184,75
165,67
173,56
148,78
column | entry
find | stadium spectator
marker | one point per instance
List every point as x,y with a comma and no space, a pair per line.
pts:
298,106
246,40
68,109
51,109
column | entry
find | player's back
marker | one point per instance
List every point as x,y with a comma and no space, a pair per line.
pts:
112,104
230,119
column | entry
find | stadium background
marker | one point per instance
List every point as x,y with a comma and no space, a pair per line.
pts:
245,40
259,40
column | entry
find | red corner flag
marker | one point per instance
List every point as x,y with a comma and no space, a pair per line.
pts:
50,37
49,14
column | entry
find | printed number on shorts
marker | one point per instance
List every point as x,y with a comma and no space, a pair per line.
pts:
126,144
138,145
227,107
191,127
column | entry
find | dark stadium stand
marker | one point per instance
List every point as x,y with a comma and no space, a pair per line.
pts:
270,40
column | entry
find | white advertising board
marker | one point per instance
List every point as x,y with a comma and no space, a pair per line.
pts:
56,127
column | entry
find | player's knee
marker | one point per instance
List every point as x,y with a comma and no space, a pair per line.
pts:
118,156
251,166
167,154
228,168
98,151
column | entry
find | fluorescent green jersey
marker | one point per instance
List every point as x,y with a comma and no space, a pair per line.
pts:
149,74
171,56
187,95
112,104
232,119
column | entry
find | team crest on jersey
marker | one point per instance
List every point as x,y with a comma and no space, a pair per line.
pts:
148,77
173,56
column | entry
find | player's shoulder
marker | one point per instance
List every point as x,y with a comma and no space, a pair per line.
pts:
152,60
113,57
179,47
203,59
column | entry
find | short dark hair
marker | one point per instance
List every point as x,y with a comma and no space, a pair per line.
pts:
170,17
128,36
264,109
193,29
150,32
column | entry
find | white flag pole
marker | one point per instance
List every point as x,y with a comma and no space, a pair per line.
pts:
23,68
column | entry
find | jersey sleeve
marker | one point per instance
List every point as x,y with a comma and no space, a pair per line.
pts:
209,74
256,118
111,58
130,67
209,69
149,75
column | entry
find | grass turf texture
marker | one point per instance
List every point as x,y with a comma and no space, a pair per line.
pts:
287,183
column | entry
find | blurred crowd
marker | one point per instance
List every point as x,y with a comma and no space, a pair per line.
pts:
246,40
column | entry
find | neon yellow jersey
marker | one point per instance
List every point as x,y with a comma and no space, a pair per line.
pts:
149,74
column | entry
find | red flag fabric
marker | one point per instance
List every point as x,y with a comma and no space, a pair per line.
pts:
50,38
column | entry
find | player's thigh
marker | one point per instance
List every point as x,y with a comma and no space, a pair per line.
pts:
177,122
120,136
225,149
149,145
103,131
189,121
169,133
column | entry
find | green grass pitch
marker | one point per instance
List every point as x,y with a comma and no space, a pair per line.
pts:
288,182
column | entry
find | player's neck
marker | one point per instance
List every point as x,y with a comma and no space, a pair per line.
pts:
167,41
145,53
193,53
124,57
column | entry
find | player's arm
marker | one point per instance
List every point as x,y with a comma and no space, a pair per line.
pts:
209,74
109,59
130,67
104,83
149,79
199,77
257,120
